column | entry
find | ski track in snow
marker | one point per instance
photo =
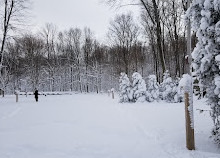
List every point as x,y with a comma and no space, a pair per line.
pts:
95,126
156,135
147,135
11,113
139,127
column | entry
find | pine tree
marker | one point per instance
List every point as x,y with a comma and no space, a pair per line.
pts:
166,86
169,90
179,97
125,92
205,17
152,89
139,87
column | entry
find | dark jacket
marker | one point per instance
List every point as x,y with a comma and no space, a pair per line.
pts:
36,94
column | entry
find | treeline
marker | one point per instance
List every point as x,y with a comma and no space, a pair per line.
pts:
71,60
74,60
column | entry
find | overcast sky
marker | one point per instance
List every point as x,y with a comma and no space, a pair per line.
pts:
76,13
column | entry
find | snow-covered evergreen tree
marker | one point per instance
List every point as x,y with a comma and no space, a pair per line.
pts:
179,97
139,87
166,87
205,17
169,90
125,92
152,89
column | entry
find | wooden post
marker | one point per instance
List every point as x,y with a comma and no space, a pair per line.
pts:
190,141
112,90
16,97
113,95
2,92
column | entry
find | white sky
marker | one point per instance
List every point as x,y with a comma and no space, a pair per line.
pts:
76,13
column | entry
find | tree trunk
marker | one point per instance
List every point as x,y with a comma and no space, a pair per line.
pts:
159,36
7,17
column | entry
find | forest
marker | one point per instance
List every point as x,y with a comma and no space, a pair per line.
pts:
74,60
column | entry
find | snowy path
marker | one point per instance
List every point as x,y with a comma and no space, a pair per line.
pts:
95,126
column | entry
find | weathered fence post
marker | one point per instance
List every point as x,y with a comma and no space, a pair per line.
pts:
190,141
186,83
16,98
16,94
2,92
112,90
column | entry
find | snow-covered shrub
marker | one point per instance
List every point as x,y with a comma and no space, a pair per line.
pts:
125,92
205,17
152,92
179,97
169,89
139,87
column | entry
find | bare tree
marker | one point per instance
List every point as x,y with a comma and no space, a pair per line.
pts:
48,33
172,35
73,39
88,50
124,33
32,47
171,18
151,9
11,15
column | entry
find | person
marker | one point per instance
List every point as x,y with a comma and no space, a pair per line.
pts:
36,95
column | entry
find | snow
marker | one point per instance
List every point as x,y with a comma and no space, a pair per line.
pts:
217,83
204,23
216,4
207,4
186,82
96,126
217,58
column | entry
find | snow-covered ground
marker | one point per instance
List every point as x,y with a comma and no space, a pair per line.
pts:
96,126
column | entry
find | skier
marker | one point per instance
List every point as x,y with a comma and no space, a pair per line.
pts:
36,95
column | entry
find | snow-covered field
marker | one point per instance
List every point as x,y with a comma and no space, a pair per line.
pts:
96,126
